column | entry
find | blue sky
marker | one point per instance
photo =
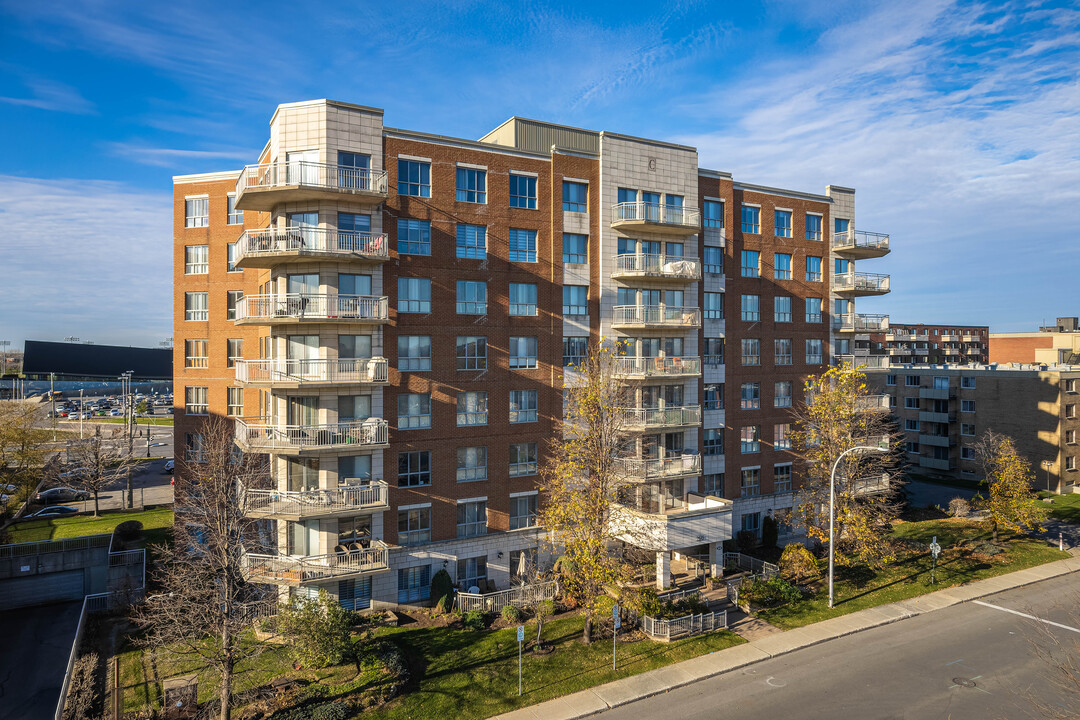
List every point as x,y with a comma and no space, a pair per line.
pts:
957,122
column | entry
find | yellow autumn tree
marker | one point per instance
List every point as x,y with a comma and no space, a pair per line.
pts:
581,482
839,414
1011,501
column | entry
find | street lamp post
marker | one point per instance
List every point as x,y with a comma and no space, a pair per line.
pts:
129,418
832,507
1047,464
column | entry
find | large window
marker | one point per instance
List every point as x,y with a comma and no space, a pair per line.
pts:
813,269
414,178
781,441
782,223
472,408
575,300
714,306
471,241
471,352
574,197
574,350
751,219
471,463
714,397
522,245
713,213
782,308
813,227
195,402
751,263
751,396
471,297
234,350
414,527
414,411
414,584
782,476
751,351
232,250
575,249
414,353
472,518
414,295
235,405
414,468
523,406
714,351
196,354
714,442
750,439
233,216
782,266
782,394
471,572
751,482
783,351
232,297
813,310
522,512
522,191
196,306
196,259
713,484
413,237
714,260
471,185
751,308
523,353
196,212
522,459
523,298
813,352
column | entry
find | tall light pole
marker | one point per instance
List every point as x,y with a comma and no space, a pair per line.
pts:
5,344
52,399
832,506
1047,464
129,419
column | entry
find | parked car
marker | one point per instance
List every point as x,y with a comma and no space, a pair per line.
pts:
60,494
170,465
115,413
54,511
8,489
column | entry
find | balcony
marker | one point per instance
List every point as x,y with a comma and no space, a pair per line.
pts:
644,368
656,217
950,338
700,519
271,246
936,417
858,244
256,435
648,469
661,317
937,440
349,499
864,361
870,485
262,186
301,570
921,351
856,284
937,393
656,267
312,308
309,373
861,323
657,418
971,338
899,337
936,464
900,352
867,403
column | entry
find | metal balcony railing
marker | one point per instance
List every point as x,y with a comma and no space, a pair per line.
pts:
257,435
353,496
868,361
656,213
656,266
275,241
859,322
313,307
289,570
304,173
860,240
861,282
662,417
873,402
663,316
659,468
629,367
344,371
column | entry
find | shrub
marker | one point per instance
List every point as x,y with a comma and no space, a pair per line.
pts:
445,605
511,614
319,630
770,532
545,608
335,710
128,530
959,507
442,591
474,620
768,591
746,540
797,562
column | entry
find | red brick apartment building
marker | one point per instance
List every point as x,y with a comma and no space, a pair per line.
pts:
389,316
921,344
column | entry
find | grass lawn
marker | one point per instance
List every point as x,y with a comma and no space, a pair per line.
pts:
157,525
1065,507
859,587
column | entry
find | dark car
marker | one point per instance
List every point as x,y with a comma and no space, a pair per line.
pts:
54,511
60,494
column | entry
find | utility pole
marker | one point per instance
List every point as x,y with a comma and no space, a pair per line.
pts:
129,420
52,399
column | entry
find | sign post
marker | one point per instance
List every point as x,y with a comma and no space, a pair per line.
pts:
935,550
614,631
521,639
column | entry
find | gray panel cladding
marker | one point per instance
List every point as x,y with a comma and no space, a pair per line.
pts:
539,137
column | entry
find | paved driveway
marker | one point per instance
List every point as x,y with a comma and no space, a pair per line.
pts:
33,657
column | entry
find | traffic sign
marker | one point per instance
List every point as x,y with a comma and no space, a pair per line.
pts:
521,633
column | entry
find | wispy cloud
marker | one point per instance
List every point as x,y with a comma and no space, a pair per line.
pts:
51,95
169,157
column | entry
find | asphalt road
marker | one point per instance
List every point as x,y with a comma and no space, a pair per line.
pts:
923,494
33,657
966,662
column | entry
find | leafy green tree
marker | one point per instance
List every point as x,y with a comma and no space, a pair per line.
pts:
1011,501
798,563
22,444
319,630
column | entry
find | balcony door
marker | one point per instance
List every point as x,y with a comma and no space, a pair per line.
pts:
651,204
304,538
302,474
302,354
301,168
303,410
302,230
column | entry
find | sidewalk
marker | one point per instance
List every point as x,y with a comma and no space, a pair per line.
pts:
654,682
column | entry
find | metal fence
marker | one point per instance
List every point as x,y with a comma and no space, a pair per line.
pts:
520,596
747,563
687,625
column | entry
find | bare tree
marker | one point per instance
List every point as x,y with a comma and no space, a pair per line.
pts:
206,604
1059,653
98,463
1011,502
23,445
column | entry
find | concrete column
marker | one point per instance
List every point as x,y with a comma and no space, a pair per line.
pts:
663,570
716,560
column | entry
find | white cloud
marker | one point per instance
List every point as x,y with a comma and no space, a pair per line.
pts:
168,157
54,96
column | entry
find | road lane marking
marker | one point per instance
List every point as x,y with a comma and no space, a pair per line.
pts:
1025,615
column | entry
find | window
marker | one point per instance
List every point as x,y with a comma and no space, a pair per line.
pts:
234,216
414,353
813,269
522,512
911,447
1070,463
523,406
751,263
751,396
782,266
522,192
414,178
232,250
523,353
235,406
967,429
781,478
414,527
813,352
234,350
941,382
1070,386
471,353
911,425
414,468
575,249
782,394
522,298
751,308
196,212
471,464
471,241
714,306
967,381
472,518
781,441
574,197
967,453
232,297
890,379
522,459
575,299
842,267
714,351
471,185
813,310
193,447
472,408
782,308
713,484
713,213
414,411
782,347
911,381
967,406
471,572
782,223
750,439
195,400
414,295
195,306
714,397
751,482
840,225
196,354
196,259
714,260
751,219
751,352
911,403
413,237
813,227
574,350
714,442
1070,437
471,297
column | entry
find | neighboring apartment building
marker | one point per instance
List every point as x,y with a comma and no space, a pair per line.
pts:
390,315
1058,343
944,412
921,344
